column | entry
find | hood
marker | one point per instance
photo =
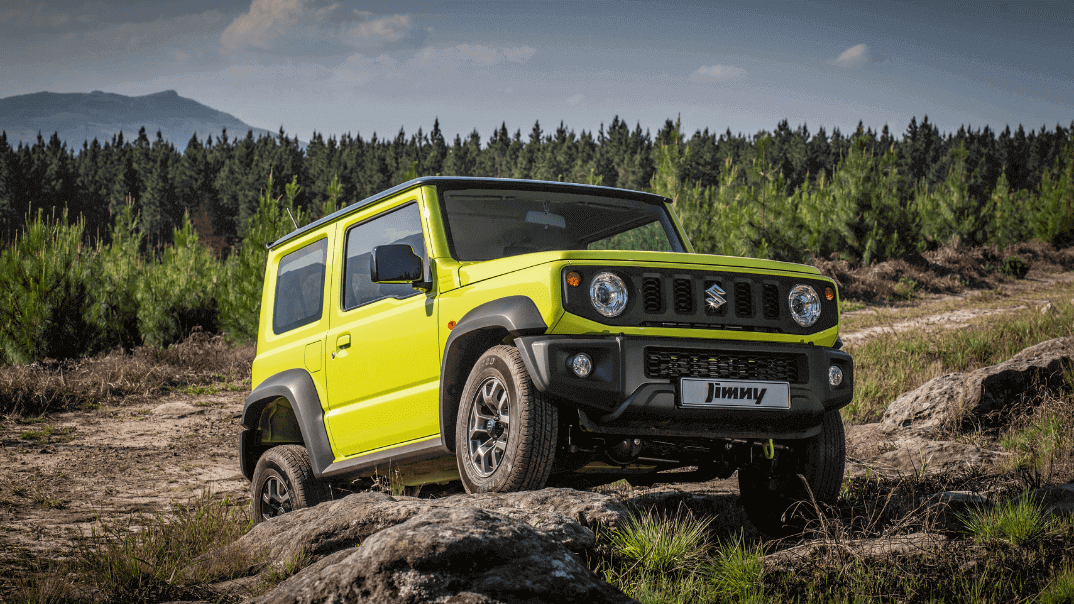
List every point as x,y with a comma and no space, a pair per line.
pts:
477,271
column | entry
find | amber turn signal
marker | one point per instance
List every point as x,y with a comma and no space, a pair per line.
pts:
574,279
451,325
829,293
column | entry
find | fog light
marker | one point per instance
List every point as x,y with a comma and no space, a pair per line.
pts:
581,364
835,376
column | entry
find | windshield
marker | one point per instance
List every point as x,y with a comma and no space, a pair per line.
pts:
484,224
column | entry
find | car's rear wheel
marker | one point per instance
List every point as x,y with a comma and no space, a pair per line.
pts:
770,501
505,434
284,482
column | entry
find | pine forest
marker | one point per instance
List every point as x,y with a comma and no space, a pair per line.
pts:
135,241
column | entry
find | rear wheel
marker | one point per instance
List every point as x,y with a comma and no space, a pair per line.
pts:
284,482
505,434
770,500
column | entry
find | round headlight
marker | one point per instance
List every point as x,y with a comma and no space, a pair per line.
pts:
805,305
608,294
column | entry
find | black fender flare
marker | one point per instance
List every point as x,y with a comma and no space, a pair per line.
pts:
479,329
295,385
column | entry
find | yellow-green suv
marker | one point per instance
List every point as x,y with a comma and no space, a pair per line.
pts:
500,332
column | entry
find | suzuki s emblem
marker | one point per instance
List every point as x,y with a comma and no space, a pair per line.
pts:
714,296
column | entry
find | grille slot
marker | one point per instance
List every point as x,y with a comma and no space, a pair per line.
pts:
684,298
743,300
652,295
664,363
770,301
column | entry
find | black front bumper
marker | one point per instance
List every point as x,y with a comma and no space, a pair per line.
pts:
618,398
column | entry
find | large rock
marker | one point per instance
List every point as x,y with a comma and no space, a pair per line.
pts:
945,402
460,555
565,515
917,455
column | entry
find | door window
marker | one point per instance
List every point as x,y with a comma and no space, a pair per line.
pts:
398,226
300,287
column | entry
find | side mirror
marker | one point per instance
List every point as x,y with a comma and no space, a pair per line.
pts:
395,263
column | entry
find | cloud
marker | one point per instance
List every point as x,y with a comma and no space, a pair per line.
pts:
312,27
359,70
34,17
469,54
717,73
858,56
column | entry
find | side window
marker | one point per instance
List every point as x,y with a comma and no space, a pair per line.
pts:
300,287
398,226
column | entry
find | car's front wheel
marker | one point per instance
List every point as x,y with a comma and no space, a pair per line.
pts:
770,501
505,434
284,482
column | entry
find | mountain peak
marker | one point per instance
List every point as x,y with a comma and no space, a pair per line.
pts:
78,117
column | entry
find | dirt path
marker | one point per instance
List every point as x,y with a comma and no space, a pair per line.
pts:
955,312
63,472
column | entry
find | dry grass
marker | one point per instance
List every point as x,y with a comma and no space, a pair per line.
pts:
51,387
947,270
893,363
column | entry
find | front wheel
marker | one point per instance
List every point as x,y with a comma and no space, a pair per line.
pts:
505,434
284,482
769,500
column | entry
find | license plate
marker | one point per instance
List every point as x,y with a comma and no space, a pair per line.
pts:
696,392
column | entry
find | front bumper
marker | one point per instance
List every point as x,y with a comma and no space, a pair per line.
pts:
618,398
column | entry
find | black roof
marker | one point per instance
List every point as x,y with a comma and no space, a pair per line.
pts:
470,181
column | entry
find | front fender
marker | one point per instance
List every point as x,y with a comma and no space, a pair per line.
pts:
479,329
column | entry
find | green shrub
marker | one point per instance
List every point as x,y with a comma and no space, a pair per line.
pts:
1060,590
115,292
1014,267
661,543
737,570
45,301
178,294
1018,521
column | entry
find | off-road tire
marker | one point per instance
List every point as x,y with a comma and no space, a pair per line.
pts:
284,482
781,505
527,444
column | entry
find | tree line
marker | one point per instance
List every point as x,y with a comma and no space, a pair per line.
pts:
132,242
217,182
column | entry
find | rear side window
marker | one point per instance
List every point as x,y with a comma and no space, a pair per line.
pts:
398,226
300,287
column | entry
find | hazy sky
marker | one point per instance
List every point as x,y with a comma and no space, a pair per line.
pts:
369,66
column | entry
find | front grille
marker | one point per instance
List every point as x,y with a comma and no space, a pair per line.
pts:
684,298
743,300
770,301
663,363
652,295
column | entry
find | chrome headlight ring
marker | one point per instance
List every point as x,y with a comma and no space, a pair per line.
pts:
805,305
608,293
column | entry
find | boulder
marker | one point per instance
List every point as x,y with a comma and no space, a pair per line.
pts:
945,402
917,455
454,554
1059,498
565,515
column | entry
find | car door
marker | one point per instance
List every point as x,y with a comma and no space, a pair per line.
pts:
383,363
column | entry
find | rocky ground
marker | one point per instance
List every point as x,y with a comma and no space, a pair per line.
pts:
65,471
